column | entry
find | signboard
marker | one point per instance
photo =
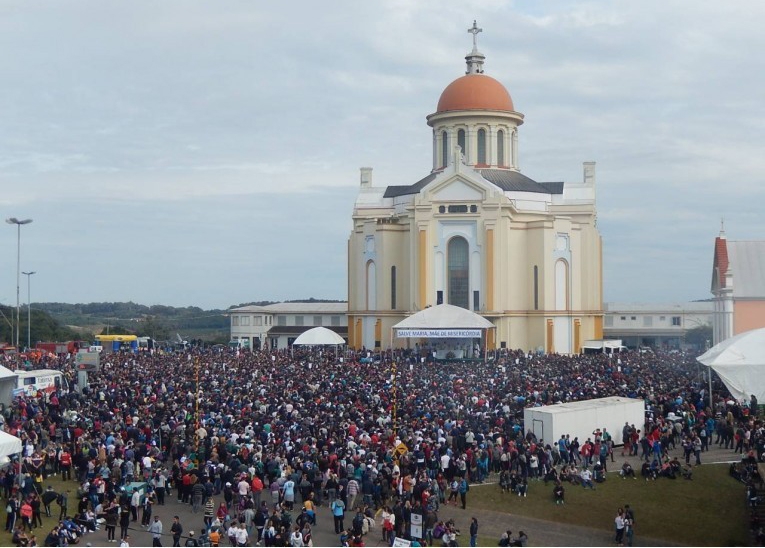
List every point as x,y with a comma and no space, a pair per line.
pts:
439,333
401,449
88,361
415,529
398,541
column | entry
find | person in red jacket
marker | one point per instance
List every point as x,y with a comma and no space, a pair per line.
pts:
26,515
65,463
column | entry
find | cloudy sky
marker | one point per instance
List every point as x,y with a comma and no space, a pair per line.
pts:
207,153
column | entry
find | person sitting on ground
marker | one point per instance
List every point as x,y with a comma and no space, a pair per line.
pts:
514,480
52,538
646,472
504,481
551,475
506,538
688,472
627,471
558,493
586,478
666,471
19,536
655,468
523,488
521,540
675,465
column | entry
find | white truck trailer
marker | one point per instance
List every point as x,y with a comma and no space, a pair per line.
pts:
581,418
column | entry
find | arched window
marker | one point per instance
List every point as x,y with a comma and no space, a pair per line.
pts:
393,288
561,285
481,147
371,293
461,141
459,272
500,148
444,149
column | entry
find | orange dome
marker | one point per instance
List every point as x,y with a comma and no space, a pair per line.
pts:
475,92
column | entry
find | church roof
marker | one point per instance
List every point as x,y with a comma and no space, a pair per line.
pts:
507,180
747,262
403,190
512,181
475,92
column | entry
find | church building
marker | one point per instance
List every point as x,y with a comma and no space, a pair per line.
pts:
477,233
738,286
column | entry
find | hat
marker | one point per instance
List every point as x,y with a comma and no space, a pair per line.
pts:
228,484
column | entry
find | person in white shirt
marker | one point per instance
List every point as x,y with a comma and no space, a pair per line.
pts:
586,477
296,538
233,532
445,458
135,502
243,487
241,536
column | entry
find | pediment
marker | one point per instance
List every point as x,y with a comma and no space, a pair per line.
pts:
457,189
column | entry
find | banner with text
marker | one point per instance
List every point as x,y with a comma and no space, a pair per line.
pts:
439,333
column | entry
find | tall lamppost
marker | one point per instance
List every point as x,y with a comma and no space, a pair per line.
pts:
29,308
15,221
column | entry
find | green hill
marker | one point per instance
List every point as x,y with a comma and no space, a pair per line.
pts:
44,327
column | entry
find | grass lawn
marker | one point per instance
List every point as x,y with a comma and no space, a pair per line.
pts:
709,510
48,523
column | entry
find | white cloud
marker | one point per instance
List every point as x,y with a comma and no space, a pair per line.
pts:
118,117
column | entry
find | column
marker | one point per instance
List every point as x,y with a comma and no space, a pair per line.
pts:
422,250
490,269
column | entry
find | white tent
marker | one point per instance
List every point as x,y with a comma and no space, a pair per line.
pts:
9,445
318,336
444,321
740,363
444,316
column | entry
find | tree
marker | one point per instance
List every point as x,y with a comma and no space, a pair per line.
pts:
698,336
154,329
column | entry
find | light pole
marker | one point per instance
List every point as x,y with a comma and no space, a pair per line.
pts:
15,221
29,308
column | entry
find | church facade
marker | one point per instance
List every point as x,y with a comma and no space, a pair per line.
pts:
477,233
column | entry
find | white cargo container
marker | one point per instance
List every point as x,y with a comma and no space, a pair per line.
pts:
580,419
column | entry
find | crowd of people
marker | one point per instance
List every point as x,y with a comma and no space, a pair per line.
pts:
268,436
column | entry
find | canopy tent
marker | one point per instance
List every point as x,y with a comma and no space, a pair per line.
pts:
443,321
9,445
318,336
740,363
443,317
8,380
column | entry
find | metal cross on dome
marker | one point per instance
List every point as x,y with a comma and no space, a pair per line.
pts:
474,30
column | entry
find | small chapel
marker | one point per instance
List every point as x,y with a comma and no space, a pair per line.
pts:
477,233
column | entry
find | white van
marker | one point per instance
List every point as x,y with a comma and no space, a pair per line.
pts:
31,383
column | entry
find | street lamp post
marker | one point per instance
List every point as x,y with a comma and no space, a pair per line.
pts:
29,308
15,221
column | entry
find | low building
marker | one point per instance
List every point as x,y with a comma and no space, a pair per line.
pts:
655,325
278,325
